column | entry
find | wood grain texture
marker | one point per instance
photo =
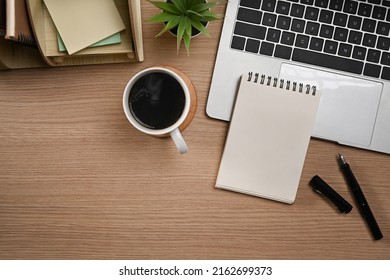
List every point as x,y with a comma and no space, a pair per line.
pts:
77,181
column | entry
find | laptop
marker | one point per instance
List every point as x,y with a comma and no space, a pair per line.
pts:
342,47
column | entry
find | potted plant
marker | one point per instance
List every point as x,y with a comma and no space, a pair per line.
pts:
184,18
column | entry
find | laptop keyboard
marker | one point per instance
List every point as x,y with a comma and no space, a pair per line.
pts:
351,36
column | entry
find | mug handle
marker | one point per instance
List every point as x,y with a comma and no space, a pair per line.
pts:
179,141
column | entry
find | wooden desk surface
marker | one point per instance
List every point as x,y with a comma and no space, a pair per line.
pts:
77,181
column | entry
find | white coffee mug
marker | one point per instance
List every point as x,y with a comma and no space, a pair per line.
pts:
183,120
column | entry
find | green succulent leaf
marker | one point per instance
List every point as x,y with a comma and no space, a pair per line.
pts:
209,16
188,27
194,13
167,7
181,29
163,17
198,25
172,23
204,6
190,3
185,15
180,4
187,42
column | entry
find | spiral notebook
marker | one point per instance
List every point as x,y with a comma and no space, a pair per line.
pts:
18,26
268,137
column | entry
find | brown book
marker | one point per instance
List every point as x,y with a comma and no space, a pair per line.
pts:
18,26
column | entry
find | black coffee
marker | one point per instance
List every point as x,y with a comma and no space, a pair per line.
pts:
157,100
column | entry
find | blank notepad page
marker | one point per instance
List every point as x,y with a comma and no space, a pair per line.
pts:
268,138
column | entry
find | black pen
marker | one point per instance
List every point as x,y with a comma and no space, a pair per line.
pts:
360,199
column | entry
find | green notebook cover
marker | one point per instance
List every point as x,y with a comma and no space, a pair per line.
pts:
113,39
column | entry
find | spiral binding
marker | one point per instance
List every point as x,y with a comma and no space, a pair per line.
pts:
274,82
26,40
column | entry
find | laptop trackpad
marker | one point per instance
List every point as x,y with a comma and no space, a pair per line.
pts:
348,105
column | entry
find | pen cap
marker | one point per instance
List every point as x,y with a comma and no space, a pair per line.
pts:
323,188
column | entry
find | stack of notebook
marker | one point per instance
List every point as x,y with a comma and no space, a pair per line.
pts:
17,43
72,32
14,23
83,24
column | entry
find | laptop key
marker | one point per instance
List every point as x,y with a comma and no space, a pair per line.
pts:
330,47
328,61
269,19
298,25
354,22
273,35
369,25
379,13
252,46
249,15
372,70
340,19
345,50
385,60
283,52
238,43
268,5
355,37
359,53
327,31
302,41
312,28
341,34
383,43
373,56
385,73
336,5
369,40
283,7
312,13
287,38
267,48
255,4
297,10
364,10
326,16
350,7
322,3
307,2
386,3
248,30
383,28
316,44
283,22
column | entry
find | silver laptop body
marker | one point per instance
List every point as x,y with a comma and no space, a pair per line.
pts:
355,96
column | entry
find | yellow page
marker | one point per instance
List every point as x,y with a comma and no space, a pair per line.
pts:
83,23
